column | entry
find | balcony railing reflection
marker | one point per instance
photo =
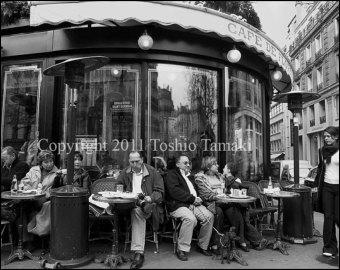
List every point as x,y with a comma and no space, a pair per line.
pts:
319,87
312,123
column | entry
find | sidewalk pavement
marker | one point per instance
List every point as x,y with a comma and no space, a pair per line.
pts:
300,256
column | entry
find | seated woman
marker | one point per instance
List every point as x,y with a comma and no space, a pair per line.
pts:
44,173
251,233
81,177
211,187
45,176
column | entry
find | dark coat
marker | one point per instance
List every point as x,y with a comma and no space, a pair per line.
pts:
18,168
152,185
177,193
319,181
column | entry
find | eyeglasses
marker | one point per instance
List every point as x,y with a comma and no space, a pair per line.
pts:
134,161
47,161
186,162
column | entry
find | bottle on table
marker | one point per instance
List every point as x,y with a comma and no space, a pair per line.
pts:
270,183
14,185
21,186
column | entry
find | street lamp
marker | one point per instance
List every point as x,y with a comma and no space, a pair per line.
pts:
297,212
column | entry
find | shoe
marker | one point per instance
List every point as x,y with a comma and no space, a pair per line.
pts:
203,251
182,255
263,244
327,252
244,248
138,261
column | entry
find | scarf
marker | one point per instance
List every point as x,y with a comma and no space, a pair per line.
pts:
329,150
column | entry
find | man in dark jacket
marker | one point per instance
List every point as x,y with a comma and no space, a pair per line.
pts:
143,179
11,166
182,202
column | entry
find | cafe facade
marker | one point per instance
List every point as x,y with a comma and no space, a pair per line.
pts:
180,79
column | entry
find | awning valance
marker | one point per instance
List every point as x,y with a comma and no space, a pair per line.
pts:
169,14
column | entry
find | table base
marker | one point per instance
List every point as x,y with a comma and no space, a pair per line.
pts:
20,254
111,260
278,244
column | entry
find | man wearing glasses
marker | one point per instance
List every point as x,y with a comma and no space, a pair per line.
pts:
182,202
144,180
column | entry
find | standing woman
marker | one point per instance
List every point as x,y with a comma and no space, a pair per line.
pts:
327,181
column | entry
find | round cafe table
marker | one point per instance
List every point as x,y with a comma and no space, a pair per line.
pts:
21,198
113,259
234,254
278,244
232,199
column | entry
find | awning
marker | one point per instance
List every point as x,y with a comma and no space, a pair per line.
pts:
170,15
277,156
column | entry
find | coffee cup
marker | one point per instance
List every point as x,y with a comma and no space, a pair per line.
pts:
120,188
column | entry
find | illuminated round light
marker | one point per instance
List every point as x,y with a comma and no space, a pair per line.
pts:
115,72
145,42
277,75
234,55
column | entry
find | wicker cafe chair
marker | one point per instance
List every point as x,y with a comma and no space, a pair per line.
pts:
260,209
172,232
6,225
97,214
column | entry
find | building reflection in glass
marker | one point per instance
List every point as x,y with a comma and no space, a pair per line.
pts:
182,112
244,123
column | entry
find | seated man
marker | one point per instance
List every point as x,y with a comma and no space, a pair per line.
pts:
183,202
143,179
11,165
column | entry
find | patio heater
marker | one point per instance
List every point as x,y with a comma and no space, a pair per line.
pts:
69,205
297,212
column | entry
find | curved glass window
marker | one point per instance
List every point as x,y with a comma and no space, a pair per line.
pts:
244,126
182,113
20,106
108,116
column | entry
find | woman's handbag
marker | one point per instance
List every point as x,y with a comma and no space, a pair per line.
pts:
41,222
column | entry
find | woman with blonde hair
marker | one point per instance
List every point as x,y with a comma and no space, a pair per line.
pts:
211,187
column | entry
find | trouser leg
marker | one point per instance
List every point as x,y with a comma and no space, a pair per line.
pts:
206,219
235,219
329,237
189,222
138,222
218,225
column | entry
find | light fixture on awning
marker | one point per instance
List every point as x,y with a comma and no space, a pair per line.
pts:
277,75
145,42
116,72
234,55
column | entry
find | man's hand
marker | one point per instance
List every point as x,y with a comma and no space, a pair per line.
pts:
148,199
198,201
32,148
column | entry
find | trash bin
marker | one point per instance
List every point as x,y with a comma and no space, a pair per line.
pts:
298,216
69,226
